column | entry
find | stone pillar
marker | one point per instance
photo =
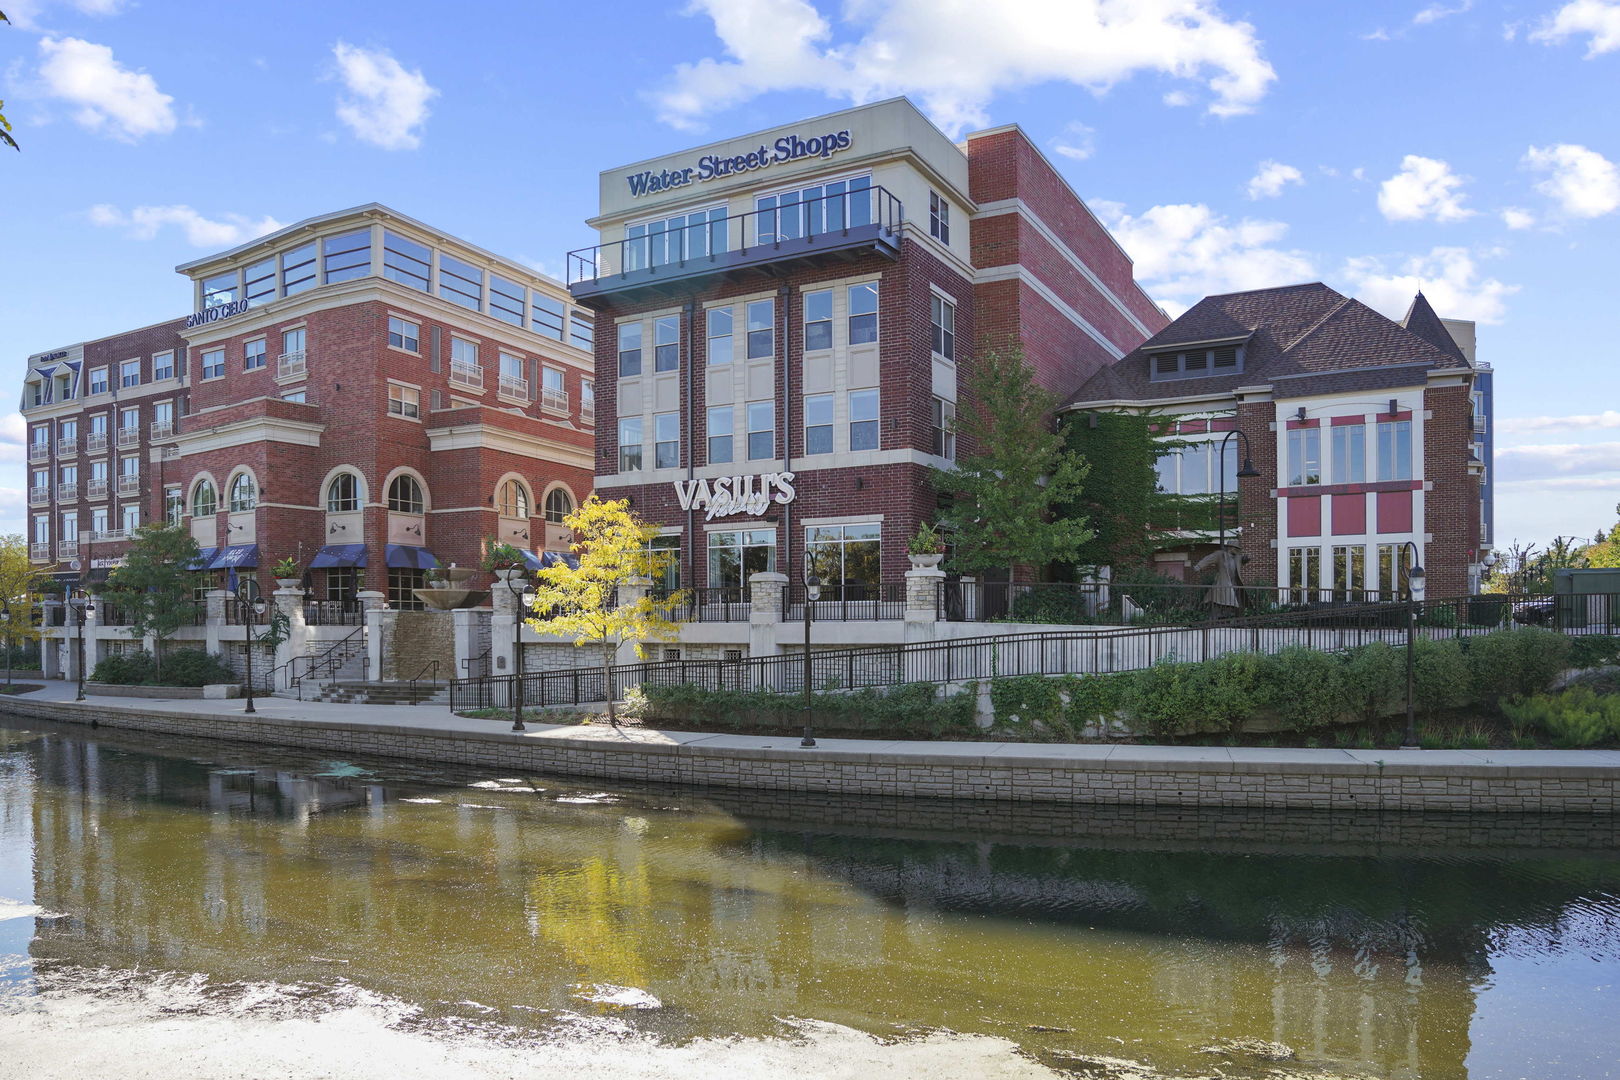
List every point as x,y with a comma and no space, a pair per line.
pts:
373,603
632,592
468,624
290,602
922,602
504,631
766,591
214,621
50,647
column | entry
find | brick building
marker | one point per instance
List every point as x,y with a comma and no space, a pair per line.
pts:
359,392
1368,435
786,320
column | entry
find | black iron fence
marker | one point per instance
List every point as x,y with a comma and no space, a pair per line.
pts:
846,603
334,613
721,603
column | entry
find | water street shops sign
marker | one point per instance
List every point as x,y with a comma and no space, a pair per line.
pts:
713,167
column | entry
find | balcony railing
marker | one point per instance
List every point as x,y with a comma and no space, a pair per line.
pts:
67,447
553,400
290,365
67,492
514,388
162,429
39,496
39,552
170,452
95,442
868,218
1479,424
129,436
587,413
469,376
110,534
129,484
39,451
67,549
95,489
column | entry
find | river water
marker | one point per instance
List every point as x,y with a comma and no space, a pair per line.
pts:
176,908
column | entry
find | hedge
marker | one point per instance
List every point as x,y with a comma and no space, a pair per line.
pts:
910,708
181,667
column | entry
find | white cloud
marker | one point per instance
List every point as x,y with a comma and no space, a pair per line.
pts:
13,436
1273,176
144,222
1424,188
1582,182
386,104
1515,218
27,14
1448,276
1075,142
111,99
1598,18
1553,461
1185,252
1609,418
1436,12
955,56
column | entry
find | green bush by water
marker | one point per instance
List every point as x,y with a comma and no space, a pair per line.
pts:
181,667
910,708
1576,718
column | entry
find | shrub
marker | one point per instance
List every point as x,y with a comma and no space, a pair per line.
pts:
911,708
1513,663
1443,616
1170,698
1050,604
1308,686
1593,650
194,667
1094,698
1023,702
1441,679
1575,718
124,669
1374,680
1239,685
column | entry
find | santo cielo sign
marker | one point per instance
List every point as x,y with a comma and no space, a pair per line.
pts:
713,166
727,495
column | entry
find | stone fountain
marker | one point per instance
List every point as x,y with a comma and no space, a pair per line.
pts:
447,589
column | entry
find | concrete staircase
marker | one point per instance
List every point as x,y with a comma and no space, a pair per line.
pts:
384,693
351,668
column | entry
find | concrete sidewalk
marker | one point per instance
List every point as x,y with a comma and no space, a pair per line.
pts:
1565,780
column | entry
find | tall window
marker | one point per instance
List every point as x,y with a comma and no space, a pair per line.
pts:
97,425
259,282
942,418
129,373
1304,456
347,256
818,320
506,300
939,218
405,495
203,500
1349,572
844,555
70,526
546,315
581,329
863,319
219,289
292,344
587,401
405,401
721,419
761,329
244,493
99,525
298,269
719,323
460,283
163,365
1394,562
213,364
98,380
1395,450
1349,453
761,430
863,420
514,500
162,419
559,504
667,440
131,517
942,316
629,349
1304,574
174,505
402,585
404,335
818,424
343,494
630,446
667,343
514,383
405,261
253,353
465,354
735,555
814,210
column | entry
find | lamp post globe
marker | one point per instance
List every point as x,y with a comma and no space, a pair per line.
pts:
812,593
1416,581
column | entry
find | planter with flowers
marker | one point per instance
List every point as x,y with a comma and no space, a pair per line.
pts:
927,548
288,573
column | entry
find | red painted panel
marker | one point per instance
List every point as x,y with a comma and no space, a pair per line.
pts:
1349,515
1194,427
1394,511
1346,421
1292,424
1305,516
1223,425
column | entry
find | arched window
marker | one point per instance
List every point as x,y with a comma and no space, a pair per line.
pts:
203,500
559,504
514,500
244,492
405,495
342,494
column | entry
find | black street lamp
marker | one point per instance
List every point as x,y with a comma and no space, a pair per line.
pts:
81,603
5,621
812,593
251,608
522,600
1415,579
1247,472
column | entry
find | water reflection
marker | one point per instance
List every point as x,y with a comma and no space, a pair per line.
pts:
1365,943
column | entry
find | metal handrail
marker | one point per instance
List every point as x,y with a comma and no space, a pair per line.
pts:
482,659
328,660
433,666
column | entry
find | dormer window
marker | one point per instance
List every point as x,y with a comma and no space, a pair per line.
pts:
1192,363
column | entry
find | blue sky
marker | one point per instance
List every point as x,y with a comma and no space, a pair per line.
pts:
1467,145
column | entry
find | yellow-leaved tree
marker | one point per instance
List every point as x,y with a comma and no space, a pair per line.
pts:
21,585
587,602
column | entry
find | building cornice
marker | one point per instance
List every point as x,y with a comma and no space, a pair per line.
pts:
246,432
480,436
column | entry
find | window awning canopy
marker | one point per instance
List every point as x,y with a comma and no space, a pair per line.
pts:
406,557
338,555
237,556
204,559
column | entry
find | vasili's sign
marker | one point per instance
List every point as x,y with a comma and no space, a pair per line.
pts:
216,313
727,495
713,167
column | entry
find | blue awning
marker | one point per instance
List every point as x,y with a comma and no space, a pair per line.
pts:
334,555
205,556
237,555
405,557
531,561
566,558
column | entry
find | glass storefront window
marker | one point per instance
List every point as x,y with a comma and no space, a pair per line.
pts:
736,554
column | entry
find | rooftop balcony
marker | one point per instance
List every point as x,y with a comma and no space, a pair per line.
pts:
826,229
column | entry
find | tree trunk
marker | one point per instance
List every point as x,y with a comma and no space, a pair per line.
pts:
607,682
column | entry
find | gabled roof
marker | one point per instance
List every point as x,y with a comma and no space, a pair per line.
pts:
1422,321
1291,331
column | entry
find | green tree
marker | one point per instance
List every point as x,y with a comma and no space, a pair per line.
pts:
21,585
154,584
614,549
1121,501
1013,474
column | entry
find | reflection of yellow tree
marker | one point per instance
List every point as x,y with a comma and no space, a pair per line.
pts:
596,913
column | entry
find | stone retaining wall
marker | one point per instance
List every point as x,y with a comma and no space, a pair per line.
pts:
954,772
